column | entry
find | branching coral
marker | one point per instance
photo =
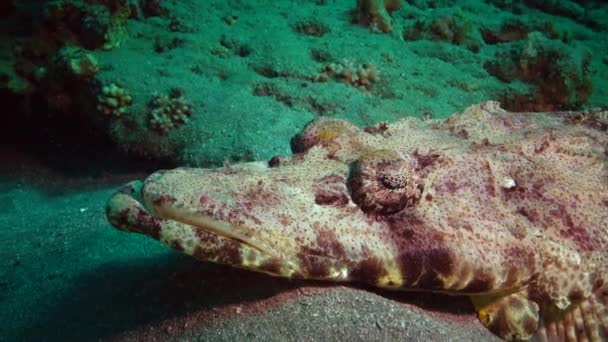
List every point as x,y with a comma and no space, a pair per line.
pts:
113,100
168,112
361,76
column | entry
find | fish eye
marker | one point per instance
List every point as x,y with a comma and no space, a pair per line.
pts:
332,134
384,182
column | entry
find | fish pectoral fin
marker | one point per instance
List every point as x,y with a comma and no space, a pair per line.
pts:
512,317
586,320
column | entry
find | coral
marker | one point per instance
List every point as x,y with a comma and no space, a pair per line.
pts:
514,30
361,76
92,25
83,65
114,100
560,73
376,13
71,62
455,29
311,27
168,112
117,32
451,29
64,78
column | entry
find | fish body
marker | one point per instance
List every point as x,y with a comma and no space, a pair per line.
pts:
510,209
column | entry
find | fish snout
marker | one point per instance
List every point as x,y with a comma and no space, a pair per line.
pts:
125,212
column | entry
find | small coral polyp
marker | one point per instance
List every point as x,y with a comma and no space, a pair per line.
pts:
168,112
113,100
361,76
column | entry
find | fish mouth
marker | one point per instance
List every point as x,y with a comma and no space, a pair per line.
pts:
240,234
203,218
229,235
134,197
265,251
282,256
202,236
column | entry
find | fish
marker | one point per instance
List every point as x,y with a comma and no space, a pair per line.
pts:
509,209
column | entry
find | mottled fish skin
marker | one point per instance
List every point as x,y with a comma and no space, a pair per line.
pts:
508,208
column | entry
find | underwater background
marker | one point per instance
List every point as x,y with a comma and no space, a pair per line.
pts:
96,93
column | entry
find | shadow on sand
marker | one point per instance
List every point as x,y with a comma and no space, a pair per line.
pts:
120,297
